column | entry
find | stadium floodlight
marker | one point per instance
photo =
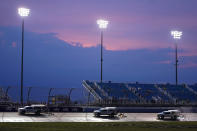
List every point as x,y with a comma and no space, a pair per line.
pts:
102,23
176,34
23,11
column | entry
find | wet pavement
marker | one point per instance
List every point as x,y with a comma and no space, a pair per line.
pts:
86,117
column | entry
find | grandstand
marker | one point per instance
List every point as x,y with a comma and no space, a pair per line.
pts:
193,88
149,92
137,93
181,93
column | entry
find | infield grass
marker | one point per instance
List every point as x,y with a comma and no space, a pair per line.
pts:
99,126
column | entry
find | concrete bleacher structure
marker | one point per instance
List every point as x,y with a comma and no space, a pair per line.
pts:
193,87
117,91
149,92
182,93
143,93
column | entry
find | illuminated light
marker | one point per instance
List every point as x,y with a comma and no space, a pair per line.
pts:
176,34
23,11
102,23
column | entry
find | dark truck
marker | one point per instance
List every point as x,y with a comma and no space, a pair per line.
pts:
110,111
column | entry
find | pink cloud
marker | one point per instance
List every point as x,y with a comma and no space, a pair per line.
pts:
164,62
189,65
13,44
127,29
189,51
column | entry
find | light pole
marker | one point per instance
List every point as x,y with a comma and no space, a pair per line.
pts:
23,12
176,35
102,25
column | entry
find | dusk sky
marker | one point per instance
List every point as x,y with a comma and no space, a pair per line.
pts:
62,41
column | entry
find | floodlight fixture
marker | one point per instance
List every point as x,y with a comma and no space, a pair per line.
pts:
23,11
102,23
176,34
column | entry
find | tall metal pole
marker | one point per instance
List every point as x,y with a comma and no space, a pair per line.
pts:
176,64
101,56
22,62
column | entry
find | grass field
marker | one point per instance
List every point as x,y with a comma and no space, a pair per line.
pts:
111,126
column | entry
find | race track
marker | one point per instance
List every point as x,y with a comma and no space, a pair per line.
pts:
86,117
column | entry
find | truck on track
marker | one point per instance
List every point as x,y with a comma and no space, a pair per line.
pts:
36,109
110,111
170,114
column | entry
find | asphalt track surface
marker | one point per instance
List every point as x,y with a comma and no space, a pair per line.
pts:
87,117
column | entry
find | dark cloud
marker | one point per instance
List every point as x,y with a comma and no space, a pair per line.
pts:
51,62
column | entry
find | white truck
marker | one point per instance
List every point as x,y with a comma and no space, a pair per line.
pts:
36,109
110,111
170,114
